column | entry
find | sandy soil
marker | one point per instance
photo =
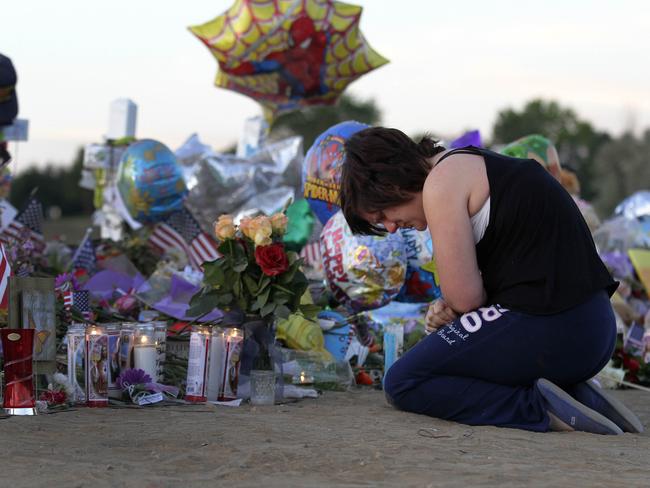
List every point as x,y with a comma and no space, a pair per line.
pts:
340,439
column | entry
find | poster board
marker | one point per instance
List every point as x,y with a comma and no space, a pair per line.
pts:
32,304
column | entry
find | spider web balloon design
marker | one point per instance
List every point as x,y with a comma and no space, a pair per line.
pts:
287,54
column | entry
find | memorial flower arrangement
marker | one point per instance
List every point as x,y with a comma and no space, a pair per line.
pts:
255,274
59,392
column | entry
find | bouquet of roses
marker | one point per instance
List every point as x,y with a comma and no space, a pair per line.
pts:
255,274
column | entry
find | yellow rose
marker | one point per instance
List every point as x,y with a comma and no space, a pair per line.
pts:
279,223
261,230
224,228
245,227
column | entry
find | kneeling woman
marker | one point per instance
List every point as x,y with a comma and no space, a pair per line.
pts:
526,319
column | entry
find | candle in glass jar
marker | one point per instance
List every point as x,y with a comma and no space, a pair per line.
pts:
145,355
77,362
160,336
217,359
303,378
113,332
96,366
234,342
198,364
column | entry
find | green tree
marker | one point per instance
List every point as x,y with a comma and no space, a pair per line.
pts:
623,167
576,140
310,122
57,186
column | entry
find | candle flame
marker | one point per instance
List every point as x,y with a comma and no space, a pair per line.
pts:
143,339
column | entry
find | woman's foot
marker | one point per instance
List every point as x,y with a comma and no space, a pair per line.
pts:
571,412
594,397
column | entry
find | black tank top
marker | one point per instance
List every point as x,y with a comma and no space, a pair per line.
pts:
537,254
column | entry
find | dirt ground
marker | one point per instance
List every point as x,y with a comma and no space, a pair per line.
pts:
340,439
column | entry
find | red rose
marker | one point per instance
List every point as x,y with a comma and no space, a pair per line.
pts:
632,365
53,397
272,259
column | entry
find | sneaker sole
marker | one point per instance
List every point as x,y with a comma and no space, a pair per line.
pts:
616,411
573,413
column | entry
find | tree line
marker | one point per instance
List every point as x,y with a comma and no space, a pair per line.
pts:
609,168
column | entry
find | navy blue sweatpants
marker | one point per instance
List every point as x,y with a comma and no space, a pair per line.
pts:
480,369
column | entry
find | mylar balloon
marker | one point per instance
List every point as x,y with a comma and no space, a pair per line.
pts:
363,272
150,181
420,285
538,148
287,55
321,173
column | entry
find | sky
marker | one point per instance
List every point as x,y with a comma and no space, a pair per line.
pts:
453,66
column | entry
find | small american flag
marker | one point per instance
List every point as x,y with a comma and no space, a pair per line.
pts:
81,303
84,257
67,300
5,273
27,225
312,256
181,231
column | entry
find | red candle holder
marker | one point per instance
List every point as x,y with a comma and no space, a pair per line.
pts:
18,347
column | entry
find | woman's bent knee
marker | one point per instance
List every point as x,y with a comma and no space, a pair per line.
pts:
394,384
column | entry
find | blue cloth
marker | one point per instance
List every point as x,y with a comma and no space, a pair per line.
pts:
480,369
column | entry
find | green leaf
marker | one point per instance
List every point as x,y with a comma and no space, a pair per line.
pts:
213,273
281,300
292,257
250,284
227,248
264,281
262,298
202,303
281,288
237,288
225,299
240,264
310,311
267,309
282,311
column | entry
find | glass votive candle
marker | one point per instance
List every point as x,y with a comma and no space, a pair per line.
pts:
303,378
262,387
144,350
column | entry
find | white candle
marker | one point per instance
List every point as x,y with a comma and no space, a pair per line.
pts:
198,364
217,359
144,357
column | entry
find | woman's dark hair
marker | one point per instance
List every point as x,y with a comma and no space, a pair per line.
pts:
382,168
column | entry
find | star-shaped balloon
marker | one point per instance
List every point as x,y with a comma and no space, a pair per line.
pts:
289,54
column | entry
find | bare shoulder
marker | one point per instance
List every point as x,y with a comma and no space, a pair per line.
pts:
457,174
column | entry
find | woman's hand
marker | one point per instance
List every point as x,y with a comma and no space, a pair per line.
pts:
438,314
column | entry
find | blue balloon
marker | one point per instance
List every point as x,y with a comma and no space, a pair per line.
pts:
150,181
321,173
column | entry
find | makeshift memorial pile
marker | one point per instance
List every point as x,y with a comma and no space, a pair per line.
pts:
623,242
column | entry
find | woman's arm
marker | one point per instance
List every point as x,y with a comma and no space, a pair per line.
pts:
445,197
